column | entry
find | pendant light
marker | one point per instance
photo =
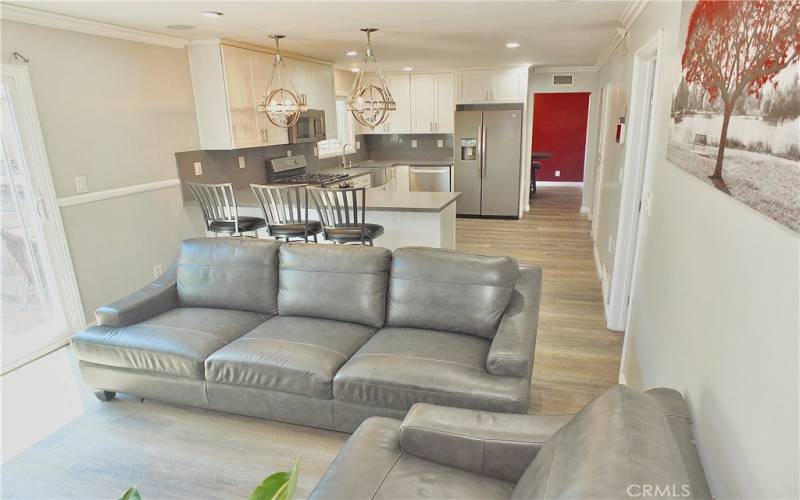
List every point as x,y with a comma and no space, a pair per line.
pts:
282,103
369,103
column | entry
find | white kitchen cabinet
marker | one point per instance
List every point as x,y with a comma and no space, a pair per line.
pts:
487,86
433,103
399,120
229,83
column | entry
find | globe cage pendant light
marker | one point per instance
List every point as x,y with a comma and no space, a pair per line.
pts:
282,103
370,104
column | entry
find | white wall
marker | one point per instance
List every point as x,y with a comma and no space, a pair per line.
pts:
116,112
716,305
583,81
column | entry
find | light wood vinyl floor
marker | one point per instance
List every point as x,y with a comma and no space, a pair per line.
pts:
576,357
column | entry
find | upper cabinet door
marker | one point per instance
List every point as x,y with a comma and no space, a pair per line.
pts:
423,108
473,86
262,70
399,121
302,75
240,89
445,103
325,97
507,86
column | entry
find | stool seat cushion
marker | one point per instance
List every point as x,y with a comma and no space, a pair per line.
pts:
245,224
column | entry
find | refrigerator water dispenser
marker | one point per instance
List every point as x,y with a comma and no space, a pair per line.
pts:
469,149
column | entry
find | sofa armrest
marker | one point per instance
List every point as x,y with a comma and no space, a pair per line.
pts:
499,445
158,296
511,352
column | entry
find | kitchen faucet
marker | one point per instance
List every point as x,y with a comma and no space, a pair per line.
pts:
344,157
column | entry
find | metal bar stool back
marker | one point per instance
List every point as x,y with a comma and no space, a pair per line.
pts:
221,214
285,209
343,215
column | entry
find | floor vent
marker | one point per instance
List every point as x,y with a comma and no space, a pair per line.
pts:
562,80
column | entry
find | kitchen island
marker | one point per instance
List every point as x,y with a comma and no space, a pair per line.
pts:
408,218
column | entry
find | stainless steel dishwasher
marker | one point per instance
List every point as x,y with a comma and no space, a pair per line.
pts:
429,178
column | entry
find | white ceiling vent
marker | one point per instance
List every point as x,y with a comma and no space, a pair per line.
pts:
562,80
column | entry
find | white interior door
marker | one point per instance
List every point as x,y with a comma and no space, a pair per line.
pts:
40,301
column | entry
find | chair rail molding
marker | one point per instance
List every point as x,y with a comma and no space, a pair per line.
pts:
107,194
38,17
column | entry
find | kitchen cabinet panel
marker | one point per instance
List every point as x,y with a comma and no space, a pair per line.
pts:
445,103
399,121
507,86
325,97
240,88
474,86
487,86
270,134
423,96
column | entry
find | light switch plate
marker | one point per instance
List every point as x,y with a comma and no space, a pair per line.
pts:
439,143
288,153
558,173
198,168
358,145
241,162
81,184
157,270
413,143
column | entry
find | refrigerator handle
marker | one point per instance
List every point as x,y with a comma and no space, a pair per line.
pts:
480,152
483,152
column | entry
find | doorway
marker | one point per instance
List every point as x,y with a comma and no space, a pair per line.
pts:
634,204
560,123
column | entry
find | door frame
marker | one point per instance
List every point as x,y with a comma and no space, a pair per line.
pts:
637,172
599,160
55,237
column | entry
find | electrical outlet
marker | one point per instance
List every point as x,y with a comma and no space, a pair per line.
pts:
413,143
241,162
81,184
288,153
157,270
198,168
439,143
316,151
358,145
558,173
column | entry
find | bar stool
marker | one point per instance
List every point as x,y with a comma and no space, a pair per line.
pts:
285,209
343,215
221,214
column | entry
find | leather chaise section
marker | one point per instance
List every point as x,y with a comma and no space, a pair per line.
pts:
175,342
401,366
289,354
229,273
334,282
450,291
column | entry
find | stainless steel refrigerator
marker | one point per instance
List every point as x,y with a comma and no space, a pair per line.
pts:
486,159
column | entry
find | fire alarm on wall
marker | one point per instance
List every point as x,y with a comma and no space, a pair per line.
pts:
620,134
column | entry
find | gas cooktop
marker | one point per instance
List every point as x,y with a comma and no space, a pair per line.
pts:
292,170
312,179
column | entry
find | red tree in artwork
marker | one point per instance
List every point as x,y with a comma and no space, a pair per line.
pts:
734,48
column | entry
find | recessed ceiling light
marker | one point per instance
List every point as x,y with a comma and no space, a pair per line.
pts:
351,53
212,13
512,45
355,70
180,27
408,68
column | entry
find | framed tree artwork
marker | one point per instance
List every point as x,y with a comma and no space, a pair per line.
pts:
736,110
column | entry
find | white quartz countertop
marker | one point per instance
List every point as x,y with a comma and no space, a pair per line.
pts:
390,201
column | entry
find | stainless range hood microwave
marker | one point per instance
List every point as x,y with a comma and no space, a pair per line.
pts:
309,128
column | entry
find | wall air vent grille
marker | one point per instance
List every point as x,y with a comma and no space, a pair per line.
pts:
562,80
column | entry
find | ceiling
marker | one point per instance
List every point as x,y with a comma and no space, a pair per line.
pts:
423,35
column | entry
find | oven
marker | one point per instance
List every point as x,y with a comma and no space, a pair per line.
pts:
310,127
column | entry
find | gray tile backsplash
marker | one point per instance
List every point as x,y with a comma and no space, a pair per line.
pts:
223,166
398,146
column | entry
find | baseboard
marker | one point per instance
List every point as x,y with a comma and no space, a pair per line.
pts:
558,184
597,265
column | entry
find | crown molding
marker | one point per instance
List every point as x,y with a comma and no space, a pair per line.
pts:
632,11
565,69
10,12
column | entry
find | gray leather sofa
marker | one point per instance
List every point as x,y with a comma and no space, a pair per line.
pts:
320,335
625,444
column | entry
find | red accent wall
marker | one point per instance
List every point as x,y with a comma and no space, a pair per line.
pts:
559,128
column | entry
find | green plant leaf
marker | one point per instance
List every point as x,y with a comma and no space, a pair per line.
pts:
278,486
131,494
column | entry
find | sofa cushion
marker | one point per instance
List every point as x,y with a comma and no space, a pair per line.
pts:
334,282
175,342
449,291
372,465
229,273
289,354
398,367
622,439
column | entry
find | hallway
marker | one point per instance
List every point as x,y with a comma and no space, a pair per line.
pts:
576,357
